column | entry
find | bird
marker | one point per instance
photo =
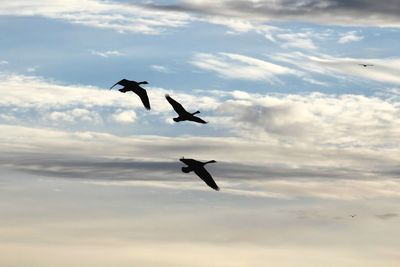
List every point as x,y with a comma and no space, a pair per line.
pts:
198,168
353,215
183,115
366,65
134,87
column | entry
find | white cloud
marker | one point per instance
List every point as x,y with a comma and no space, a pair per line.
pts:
125,117
350,37
100,14
160,68
32,69
107,53
386,70
3,62
297,40
74,115
235,66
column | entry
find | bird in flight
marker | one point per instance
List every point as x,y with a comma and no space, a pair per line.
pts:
353,215
366,65
198,168
134,87
183,115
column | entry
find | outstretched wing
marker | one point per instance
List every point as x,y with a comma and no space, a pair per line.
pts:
177,107
144,97
197,119
206,177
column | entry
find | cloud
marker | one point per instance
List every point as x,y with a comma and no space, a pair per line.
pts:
3,62
261,137
125,117
339,12
235,66
385,70
99,14
297,40
106,54
387,216
350,37
74,115
160,68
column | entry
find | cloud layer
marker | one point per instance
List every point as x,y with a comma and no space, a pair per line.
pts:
339,12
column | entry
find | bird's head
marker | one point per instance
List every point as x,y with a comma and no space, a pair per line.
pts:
186,169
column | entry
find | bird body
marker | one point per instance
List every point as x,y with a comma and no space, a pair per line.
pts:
366,65
183,115
198,168
134,87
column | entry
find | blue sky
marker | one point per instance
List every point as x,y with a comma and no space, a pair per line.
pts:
302,134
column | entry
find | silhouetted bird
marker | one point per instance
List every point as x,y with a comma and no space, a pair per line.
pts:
134,87
366,65
353,215
183,114
198,168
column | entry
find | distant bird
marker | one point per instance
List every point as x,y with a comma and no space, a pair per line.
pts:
366,65
134,87
198,168
353,215
183,114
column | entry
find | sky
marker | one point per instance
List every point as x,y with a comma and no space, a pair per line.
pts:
302,134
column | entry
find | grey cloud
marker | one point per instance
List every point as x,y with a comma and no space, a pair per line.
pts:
122,169
342,12
387,216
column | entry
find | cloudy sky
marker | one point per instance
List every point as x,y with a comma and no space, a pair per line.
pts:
303,135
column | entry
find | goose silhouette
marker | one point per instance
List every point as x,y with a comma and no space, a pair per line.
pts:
134,87
198,168
183,115
366,65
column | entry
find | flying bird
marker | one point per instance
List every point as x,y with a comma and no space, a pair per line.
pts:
353,215
183,115
134,87
366,65
198,168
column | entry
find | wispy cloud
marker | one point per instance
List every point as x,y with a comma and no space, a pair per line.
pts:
160,68
297,40
106,54
100,14
385,70
3,62
350,37
387,216
235,66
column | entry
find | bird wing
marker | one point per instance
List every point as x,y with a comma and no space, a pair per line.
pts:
206,177
197,119
177,107
144,97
